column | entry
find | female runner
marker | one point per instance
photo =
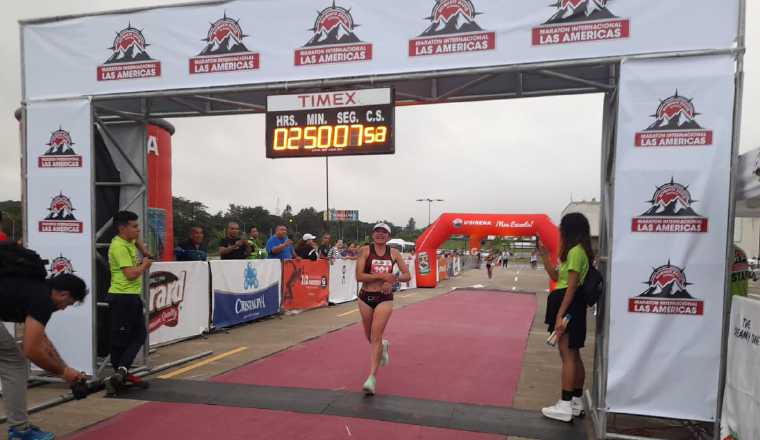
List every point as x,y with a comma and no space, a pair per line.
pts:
374,269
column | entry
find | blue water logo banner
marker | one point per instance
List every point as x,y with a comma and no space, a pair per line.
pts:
231,308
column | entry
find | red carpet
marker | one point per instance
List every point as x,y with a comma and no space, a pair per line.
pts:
464,347
163,421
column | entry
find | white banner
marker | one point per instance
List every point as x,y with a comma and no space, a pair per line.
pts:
343,286
179,301
244,290
741,401
229,43
670,228
412,283
59,185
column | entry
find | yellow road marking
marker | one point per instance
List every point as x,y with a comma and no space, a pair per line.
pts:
348,313
183,370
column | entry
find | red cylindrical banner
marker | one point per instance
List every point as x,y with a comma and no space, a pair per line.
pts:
160,213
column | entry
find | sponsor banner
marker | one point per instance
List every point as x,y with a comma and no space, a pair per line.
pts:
670,230
305,284
244,290
741,398
412,283
343,286
250,42
178,300
58,194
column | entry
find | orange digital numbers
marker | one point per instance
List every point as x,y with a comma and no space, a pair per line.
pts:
328,136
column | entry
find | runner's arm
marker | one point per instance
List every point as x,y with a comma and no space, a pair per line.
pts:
39,349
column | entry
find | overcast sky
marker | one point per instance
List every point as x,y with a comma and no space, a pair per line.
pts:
508,156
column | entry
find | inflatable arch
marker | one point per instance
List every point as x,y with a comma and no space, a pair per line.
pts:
478,226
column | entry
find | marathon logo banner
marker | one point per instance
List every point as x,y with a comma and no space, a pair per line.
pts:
453,29
675,125
129,58
670,211
578,21
333,40
224,50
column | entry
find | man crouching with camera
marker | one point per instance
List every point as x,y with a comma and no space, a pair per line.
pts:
27,297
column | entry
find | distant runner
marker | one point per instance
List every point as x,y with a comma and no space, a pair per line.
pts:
374,269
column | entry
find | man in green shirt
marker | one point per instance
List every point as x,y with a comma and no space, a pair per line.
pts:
257,250
128,332
740,273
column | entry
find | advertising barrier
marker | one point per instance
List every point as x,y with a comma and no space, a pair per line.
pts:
741,401
412,283
244,290
343,286
178,301
305,284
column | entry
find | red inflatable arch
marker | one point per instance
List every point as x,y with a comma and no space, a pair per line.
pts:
478,226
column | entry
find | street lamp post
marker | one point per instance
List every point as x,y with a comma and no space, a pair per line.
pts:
429,202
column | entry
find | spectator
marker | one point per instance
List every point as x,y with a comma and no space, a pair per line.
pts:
232,247
192,249
307,248
324,245
29,299
338,251
128,332
740,273
352,252
280,246
257,249
3,237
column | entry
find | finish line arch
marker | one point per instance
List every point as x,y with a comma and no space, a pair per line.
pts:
478,226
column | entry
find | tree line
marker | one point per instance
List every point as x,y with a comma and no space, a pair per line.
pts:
189,213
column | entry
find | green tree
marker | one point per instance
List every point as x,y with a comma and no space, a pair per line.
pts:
12,219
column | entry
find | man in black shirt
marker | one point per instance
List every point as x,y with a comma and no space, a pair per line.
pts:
324,245
32,302
232,247
192,249
307,248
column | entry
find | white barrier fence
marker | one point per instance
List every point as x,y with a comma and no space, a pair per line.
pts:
178,301
741,401
343,285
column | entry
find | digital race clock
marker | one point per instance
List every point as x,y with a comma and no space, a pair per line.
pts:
335,123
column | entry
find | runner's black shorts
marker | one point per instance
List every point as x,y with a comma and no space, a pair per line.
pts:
576,329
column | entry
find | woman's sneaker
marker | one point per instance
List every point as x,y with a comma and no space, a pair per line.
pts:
562,411
577,405
369,386
30,433
386,353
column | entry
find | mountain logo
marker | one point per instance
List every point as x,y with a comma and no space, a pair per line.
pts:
333,40
129,59
59,153
452,29
671,211
674,126
60,265
224,50
576,21
60,217
666,293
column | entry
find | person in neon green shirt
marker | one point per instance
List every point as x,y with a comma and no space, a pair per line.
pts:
740,273
125,303
575,257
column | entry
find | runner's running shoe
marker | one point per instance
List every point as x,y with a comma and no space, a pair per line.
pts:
369,386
